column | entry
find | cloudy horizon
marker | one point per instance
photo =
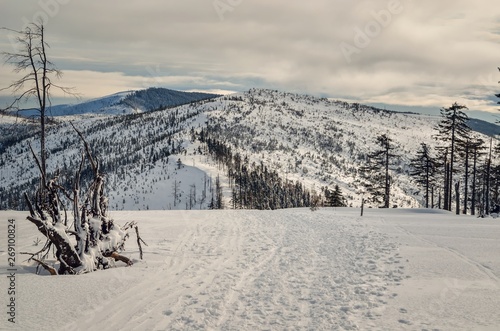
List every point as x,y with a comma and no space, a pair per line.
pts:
396,53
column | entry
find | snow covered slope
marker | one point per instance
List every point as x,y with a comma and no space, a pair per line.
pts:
318,142
139,153
274,270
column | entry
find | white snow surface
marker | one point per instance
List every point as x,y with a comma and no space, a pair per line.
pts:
273,270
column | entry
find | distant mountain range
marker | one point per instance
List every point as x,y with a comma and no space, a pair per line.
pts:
153,148
487,128
128,102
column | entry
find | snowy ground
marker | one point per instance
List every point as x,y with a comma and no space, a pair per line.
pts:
274,270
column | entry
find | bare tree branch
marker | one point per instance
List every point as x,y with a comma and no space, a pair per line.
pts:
93,163
50,269
139,240
39,165
98,239
119,257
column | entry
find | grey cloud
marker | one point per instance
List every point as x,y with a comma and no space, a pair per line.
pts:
439,47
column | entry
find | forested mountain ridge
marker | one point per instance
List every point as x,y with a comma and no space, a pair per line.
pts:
484,127
319,141
127,102
157,160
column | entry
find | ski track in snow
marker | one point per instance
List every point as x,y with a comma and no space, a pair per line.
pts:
262,270
248,272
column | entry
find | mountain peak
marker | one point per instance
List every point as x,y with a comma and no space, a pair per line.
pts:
126,102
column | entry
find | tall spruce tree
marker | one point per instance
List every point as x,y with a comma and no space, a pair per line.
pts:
477,147
219,204
424,169
452,131
487,181
498,95
465,152
376,171
495,184
335,198
469,151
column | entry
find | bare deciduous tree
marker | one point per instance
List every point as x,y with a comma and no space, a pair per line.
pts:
92,239
30,60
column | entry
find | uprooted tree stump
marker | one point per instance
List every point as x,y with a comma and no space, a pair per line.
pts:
92,239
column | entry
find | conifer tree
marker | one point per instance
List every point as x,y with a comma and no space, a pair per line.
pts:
452,131
335,198
469,152
477,147
498,95
219,204
424,169
376,172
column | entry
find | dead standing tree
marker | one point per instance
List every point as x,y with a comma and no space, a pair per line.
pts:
30,59
97,239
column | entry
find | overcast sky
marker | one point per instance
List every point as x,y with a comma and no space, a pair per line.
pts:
398,53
